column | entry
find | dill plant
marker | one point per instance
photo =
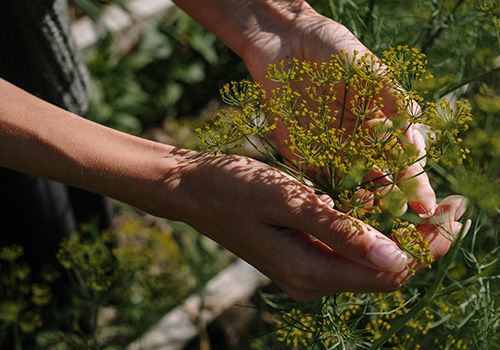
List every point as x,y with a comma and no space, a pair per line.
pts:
340,144
337,142
23,298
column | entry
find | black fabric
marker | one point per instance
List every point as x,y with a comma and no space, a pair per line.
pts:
38,55
38,213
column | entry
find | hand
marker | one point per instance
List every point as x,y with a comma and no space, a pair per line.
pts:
310,36
441,229
282,228
266,217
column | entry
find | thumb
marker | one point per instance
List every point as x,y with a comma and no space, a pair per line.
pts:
348,236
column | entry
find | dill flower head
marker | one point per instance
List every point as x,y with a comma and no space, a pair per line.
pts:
447,122
338,142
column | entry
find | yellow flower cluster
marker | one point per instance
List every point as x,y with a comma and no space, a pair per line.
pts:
407,65
298,329
349,320
447,123
411,241
338,137
245,118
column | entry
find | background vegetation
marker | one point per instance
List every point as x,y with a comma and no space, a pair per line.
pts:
115,284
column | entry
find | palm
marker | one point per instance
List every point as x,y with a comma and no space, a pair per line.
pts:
315,39
316,42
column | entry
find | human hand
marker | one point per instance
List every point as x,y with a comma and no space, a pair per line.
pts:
443,228
261,214
303,34
285,230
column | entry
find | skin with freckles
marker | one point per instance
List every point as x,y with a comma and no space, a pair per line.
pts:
261,214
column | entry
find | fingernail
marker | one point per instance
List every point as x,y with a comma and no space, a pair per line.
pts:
446,212
387,256
461,209
466,227
429,213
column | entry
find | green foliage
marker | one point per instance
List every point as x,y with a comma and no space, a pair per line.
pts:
134,273
455,305
170,70
461,38
22,299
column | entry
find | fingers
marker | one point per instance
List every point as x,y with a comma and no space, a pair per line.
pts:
440,238
327,200
316,270
347,236
442,229
417,191
331,273
422,198
451,208
389,195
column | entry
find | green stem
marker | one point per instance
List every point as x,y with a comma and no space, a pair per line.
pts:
368,18
346,86
334,13
467,81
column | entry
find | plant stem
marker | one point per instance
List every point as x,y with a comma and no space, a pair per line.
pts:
334,14
466,81
346,86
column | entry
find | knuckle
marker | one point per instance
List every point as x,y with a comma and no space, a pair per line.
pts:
349,234
297,282
441,250
389,282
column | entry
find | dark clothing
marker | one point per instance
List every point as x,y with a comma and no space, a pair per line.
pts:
39,55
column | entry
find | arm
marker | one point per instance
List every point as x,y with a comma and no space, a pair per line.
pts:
257,212
252,209
42,140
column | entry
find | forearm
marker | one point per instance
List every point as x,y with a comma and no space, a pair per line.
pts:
239,23
42,140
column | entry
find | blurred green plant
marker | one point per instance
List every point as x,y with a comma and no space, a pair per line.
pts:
22,298
455,305
118,284
171,70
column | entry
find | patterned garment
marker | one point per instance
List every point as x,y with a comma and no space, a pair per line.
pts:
39,55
